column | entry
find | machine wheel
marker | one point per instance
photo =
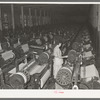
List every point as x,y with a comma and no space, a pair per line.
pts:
63,77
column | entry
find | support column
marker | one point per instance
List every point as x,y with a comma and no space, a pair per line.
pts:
44,17
12,15
47,17
22,15
53,18
40,17
30,20
0,20
35,17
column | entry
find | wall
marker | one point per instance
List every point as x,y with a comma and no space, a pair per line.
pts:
95,30
78,19
94,15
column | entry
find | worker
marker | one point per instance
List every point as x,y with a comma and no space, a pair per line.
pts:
58,58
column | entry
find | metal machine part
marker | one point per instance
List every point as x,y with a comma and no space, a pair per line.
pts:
22,77
76,74
45,77
8,55
64,75
94,84
22,50
3,84
83,86
20,63
87,47
37,47
7,61
69,77
25,48
72,54
76,46
40,79
18,79
43,58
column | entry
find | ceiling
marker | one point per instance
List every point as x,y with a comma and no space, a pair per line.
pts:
64,9
61,9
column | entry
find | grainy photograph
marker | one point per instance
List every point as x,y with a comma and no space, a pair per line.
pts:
50,46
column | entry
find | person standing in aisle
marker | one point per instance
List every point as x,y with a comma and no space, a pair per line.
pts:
58,61
58,58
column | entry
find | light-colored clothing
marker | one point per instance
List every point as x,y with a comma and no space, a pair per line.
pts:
57,61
